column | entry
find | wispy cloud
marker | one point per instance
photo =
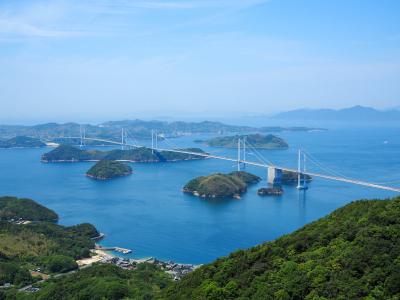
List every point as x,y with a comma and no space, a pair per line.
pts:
123,5
10,28
66,19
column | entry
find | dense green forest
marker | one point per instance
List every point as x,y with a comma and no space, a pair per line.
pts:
25,209
72,154
353,253
259,141
220,185
107,281
107,169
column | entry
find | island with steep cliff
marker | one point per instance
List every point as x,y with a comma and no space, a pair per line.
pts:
108,169
220,185
257,141
66,153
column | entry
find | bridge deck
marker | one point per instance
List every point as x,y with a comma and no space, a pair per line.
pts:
207,155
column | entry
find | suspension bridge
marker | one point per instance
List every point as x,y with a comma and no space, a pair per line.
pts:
274,172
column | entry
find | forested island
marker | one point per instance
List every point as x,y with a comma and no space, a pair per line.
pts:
108,169
22,142
66,153
221,185
257,141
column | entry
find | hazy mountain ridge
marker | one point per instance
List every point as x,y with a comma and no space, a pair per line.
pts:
135,128
352,114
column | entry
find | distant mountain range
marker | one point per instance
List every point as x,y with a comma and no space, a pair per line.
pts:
351,114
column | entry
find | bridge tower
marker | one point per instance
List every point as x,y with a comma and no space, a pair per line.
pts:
244,152
152,141
84,136
80,136
122,138
301,177
238,155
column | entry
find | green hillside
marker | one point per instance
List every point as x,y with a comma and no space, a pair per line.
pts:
353,253
25,209
39,244
107,282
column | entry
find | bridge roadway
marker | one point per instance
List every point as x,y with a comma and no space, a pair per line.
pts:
266,166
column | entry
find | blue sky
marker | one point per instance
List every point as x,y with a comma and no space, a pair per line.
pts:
110,59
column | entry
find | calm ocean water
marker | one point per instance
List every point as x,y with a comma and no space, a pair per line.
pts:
148,213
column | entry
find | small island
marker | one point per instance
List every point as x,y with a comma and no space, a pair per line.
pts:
220,185
270,191
108,169
22,142
258,141
67,153
291,177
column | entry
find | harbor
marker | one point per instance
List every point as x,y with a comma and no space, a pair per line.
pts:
117,249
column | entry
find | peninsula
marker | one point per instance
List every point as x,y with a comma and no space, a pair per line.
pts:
15,209
220,185
66,153
22,142
258,141
108,169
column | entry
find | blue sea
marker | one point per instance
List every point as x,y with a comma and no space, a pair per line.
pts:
148,213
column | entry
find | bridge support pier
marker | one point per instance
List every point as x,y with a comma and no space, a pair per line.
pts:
274,176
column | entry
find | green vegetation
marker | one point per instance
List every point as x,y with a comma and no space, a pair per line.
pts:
12,208
11,272
22,142
220,185
65,153
255,140
107,169
41,243
353,253
59,263
34,241
105,281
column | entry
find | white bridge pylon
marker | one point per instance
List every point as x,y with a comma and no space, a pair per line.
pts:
240,160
